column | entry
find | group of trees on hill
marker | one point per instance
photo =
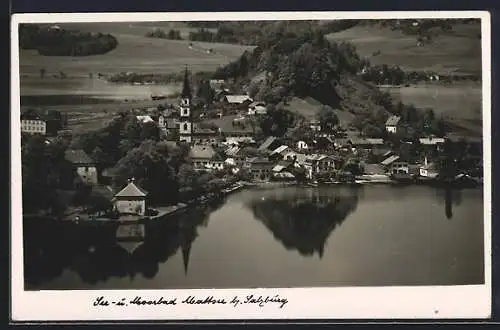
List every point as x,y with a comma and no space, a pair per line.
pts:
54,41
300,64
159,33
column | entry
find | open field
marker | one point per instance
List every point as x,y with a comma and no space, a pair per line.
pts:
459,103
457,51
134,53
460,100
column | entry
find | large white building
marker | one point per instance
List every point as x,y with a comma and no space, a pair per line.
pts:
33,123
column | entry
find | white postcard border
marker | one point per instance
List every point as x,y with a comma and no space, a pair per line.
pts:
429,302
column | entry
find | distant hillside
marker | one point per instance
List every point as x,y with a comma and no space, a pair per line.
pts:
442,46
303,71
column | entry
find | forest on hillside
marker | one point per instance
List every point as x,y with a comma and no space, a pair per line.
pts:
55,41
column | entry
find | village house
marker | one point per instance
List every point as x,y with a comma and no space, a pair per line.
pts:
432,143
217,84
270,144
279,152
202,158
319,164
257,108
260,168
131,199
428,170
392,124
234,127
315,125
83,168
395,165
201,135
283,170
238,100
365,143
290,155
302,145
235,154
33,123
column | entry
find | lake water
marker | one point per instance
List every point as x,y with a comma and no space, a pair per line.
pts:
55,91
289,237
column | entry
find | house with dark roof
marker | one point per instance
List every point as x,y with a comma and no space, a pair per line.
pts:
269,144
202,158
392,124
131,199
260,168
365,143
205,135
82,165
233,127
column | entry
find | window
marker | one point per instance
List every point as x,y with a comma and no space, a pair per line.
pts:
185,126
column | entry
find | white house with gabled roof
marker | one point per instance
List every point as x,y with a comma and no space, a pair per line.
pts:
131,199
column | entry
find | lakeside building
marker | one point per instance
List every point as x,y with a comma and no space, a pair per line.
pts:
260,168
131,199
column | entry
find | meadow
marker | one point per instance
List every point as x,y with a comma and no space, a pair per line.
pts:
134,53
457,51
459,103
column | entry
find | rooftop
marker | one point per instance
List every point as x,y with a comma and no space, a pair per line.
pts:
131,190
390,160
279,150
144,119
392,121
227,125
237,99
202,152
431,140
267,143
77,156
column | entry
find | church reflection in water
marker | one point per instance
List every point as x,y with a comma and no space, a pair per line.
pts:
96,258
305,219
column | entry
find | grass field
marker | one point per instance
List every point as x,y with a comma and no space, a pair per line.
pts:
135,53
452,101
456,51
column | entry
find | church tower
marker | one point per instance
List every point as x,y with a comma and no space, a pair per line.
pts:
186,122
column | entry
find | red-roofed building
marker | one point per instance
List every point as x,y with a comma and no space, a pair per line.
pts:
131,199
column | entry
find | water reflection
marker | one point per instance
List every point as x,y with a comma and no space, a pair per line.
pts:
97,260
450,197
303,220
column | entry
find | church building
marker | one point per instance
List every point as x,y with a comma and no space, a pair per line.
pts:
189,131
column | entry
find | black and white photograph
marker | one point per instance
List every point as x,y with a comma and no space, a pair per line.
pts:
252,152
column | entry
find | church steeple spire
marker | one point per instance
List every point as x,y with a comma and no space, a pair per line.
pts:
186,88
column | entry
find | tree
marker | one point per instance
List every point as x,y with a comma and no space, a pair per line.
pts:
152,168
328,119
150,131
206,92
